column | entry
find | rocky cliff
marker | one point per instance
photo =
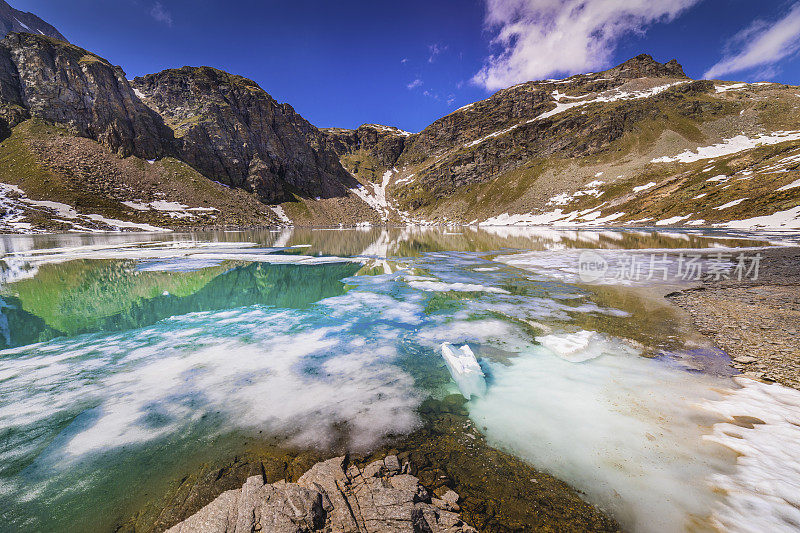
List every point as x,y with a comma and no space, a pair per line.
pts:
63,84
14,20
186,123
368,150
232,131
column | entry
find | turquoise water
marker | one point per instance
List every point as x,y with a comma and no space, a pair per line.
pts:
127,358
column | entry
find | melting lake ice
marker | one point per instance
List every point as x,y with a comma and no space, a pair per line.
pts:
127,358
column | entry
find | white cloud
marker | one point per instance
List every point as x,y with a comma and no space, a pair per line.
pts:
761,44
414,84
435,50
161,14
543,37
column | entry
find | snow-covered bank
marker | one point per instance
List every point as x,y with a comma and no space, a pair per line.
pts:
14,203
638,440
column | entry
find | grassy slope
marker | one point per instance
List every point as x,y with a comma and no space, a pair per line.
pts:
625,163
47,163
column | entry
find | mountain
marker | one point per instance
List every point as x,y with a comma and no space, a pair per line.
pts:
229,129
84,148
640,143
185,147
13,20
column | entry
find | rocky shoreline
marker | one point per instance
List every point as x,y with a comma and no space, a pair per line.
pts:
756,322
448,476
334,495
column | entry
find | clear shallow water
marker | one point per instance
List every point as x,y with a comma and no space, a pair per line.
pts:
129,357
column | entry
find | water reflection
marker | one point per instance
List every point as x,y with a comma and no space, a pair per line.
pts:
85,296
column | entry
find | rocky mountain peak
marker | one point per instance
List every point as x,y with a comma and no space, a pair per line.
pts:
16,21
63,84
644,66
232,131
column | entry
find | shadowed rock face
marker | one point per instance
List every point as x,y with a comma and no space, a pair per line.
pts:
14,20
384,142
224,126
231,130
66,85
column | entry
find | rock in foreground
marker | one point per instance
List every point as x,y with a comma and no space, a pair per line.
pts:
332,496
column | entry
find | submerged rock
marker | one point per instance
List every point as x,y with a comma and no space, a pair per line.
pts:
332,496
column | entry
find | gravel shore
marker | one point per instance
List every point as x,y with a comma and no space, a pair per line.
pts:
757,322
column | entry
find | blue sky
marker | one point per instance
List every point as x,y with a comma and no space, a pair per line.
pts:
408,63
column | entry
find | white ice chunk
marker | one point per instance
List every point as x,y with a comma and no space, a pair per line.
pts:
582,346
572,347
464,368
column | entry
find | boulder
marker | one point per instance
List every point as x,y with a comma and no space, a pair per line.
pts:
333,496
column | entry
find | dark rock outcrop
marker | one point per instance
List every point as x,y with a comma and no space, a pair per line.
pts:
232,131
12,111
383,143
14,20
66,85
644,66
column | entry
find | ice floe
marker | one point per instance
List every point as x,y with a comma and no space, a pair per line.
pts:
624,429
441,286
464,368
581,346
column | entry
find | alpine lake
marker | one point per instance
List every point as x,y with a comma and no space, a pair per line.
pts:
131,363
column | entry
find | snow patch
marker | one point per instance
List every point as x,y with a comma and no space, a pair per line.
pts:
278,210
780,220
173,209
644,187
730,204
613,95
731,146
672,220
791,185
22,24
732,87
762,493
